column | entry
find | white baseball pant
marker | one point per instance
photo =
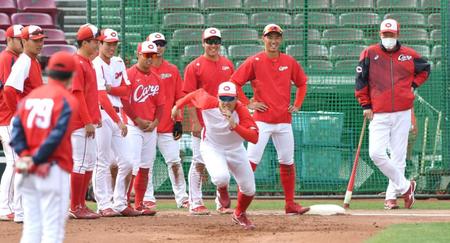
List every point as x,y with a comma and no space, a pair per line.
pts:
7,182
170,150
283,140
109,138
195,177
220,163
143,149
390,130
84,151
45,202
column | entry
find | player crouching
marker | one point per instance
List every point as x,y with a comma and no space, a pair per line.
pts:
41,137
227,124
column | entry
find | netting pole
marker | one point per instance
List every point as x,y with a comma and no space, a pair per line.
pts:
122,28
305,36
99,14
88,11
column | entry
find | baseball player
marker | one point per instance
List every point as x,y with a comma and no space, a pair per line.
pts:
270,73
41,137
207,72
387,75
84,88
25,76
113,83
168,131
7,59
145,107
227,124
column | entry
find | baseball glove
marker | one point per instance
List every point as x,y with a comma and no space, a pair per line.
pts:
177,131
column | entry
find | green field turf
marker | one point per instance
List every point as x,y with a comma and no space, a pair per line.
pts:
423,232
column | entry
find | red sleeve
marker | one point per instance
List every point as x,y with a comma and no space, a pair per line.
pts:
128,109
11,98
190,79
199,99
78,80
178,91
121,91
85,117
107,106
421,69
362,80
247,127
299,77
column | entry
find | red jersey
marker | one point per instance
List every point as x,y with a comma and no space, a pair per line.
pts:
7,60
146,93
172,85
43,125
271,80
85,81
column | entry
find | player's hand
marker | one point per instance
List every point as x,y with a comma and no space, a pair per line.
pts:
196,129
293,109
227,114
368,113
123,128
175,113
177,131
141,123
23,164
99,124
258,106
90,130
152,126
42,170
108,88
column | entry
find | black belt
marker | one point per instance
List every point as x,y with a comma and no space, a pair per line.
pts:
117,109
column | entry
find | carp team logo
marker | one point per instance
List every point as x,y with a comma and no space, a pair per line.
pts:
212,31
282,68
388,25
404,58
158,36
118,75
224,68
226,88
165,75
113,34
143,92
150,46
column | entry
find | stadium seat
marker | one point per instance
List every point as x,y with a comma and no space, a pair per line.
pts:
352,4
2,37
346,52
316,4
5,21
296,35
265,18
41,19
227,19
177,4
314,51
436,52
359,19
187,35
193,51
238,63
423,50
342,35
239,35
183,19
265,4
431,4
319,66
54,36
8,6
40,6
2,47
436,36
316,19
407,19
397,4
220,4
346,66
50,49
243,51
414,36
434,20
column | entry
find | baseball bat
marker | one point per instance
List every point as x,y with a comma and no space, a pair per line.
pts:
436,138
424,146
351,182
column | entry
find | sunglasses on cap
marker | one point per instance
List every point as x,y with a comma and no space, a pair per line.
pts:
227,98
213,41
36,33
149,55
160,43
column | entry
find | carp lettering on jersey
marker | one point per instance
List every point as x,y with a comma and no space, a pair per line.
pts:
141,93
118,75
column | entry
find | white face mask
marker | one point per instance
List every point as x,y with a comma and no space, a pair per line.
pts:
388,43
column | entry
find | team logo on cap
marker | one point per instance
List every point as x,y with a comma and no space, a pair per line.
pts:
113,34
150,46
226,88
388,25
212,31
158,36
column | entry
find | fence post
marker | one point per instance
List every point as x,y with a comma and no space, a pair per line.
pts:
88,11
99,14
445,75
122,28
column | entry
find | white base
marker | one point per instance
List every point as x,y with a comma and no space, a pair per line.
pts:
326,209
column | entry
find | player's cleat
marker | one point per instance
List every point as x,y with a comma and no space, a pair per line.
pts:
89,211
130,212
150,204
200,210
391,204
7,217
223,210
243,221
184,204
109,212
81,213
408,197
295,209
146,211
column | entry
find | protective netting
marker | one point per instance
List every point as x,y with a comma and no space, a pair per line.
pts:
326,37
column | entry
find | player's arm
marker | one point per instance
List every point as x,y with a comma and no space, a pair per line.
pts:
15,83
78,91
246,128
199,99
159,103
191,84
299,77
124,89
18,139
421,71
362,84
109,109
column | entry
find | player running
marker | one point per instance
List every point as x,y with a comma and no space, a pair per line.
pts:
41,137
270,73
169,132
207,72
7,59
227,123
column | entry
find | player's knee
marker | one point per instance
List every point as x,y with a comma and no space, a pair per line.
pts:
286,162
221,180
248,189
378,155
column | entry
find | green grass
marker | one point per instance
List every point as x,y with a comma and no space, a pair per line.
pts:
419,232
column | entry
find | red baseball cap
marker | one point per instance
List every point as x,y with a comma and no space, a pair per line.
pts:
33,32
14,31
87,32
109,35
389,25
147,47
272,28
62,61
